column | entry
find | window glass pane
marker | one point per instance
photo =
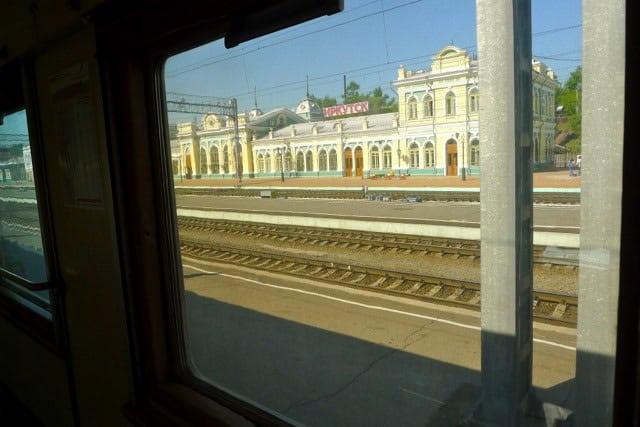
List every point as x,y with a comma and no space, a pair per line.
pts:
21,246
327,309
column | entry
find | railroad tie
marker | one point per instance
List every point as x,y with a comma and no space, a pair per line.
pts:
561,308
434,290
300,268
397,283
456,294
378,282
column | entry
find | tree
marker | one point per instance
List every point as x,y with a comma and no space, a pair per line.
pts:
327,101
569,98
379,102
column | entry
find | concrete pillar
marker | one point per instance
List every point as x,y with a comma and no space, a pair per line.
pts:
603,104
504,52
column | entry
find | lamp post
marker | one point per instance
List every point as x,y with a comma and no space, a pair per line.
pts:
464,176
281,164
399,153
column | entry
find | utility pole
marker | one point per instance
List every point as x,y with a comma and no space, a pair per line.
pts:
344,85
236,140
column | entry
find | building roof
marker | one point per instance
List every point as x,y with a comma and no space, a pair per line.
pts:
375,122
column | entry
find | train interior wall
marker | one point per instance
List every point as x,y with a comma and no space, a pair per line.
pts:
89,381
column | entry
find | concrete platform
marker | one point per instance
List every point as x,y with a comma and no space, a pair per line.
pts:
556,179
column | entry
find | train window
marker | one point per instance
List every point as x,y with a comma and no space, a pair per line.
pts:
22,260
340,291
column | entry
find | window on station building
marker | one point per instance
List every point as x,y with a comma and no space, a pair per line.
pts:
428,106
322,160
309,161
333,160
375,158
474,101
215,160
300,161
387,156
203,161
450,104
475,153
267,163
429,157
260,163
414,159
412,109
225,159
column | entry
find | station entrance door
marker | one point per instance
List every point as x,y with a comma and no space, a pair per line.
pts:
359,162
348,162
452,158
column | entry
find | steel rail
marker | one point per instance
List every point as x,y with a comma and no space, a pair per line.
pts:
547,307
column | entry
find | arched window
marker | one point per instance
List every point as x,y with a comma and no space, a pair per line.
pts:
300,162
225,159
279,164
450,104
215,160
203,161
474,101
428,106
412,109
260,163
475,152
386,157
333,160
429,156
414,158
309,161
375,158
288,161
322,160
267,162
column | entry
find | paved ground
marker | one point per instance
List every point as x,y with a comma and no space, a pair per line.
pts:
557,179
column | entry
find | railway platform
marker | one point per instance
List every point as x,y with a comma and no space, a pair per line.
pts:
555,180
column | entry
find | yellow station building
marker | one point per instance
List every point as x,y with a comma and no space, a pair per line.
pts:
434,132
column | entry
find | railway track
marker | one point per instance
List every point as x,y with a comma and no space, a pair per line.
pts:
547,307
359,240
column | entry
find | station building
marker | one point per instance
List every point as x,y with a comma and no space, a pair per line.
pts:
434,132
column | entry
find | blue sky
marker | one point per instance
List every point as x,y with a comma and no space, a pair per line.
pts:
366,42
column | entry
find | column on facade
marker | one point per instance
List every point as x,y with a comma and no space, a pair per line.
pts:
209,160
247,158
195,157
341,156
366,160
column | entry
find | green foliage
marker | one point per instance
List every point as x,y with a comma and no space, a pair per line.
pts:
574,146
379,102
569,96
327,101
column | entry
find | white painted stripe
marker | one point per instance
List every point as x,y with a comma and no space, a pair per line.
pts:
16,200
423,396
369,306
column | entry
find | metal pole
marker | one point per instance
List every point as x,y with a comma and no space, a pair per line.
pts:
236,138
281,165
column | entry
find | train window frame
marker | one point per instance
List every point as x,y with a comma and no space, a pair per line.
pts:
161,387
39,319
